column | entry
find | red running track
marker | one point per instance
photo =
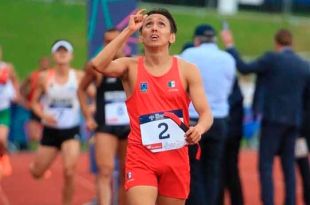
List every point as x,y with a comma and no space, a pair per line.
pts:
21,189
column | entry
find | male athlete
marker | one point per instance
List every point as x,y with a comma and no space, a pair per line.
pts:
111,125
159,88
60,117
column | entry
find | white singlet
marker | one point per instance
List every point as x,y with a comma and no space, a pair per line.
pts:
61,101
7,91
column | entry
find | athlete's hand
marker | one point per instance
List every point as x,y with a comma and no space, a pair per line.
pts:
49,119
193,135
91,124
136,20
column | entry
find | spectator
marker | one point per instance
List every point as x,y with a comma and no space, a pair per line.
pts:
218,73
284,81
231,176
302,148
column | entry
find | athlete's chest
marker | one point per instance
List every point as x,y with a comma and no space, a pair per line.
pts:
67,90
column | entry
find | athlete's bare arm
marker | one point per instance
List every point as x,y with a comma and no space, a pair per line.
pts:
199,100
104,62
25,87
89,78
35,102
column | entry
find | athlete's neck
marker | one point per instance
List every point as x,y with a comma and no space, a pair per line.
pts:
156,59
62,69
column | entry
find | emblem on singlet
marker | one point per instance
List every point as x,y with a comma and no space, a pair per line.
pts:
171,84
143,87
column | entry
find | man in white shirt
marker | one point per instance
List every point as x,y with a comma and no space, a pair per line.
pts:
218,72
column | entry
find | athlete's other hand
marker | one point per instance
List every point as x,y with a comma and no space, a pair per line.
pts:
91,124
193,135
136,20
49,119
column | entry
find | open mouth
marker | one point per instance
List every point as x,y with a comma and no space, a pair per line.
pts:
154,37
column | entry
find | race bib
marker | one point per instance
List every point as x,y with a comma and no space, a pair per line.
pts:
64,112
116,114
160,133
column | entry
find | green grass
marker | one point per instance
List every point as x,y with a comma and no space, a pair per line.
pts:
27,29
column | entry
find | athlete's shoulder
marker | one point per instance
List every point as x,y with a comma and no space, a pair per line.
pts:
44,76
185,65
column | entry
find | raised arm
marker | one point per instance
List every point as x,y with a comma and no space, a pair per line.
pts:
257,66
104,62
199,100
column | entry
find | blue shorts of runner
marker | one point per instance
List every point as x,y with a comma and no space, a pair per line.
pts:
54,137
121,132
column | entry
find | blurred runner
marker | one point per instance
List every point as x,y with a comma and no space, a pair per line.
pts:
111,124
34,127
8,92
60,116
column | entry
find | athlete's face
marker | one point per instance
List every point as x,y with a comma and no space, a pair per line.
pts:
156,31
44,63
62,56
110,36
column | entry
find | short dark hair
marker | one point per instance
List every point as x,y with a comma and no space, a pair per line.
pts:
284,37
167,14
112,29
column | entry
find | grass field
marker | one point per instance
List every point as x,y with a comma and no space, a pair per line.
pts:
29,27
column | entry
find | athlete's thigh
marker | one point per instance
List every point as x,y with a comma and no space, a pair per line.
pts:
44,158
70,150
141,195
169,201
4,131
105,146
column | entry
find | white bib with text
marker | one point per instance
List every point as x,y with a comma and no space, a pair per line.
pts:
116,114
159,133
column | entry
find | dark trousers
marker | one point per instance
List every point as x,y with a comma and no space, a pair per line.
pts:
276,139
304,169
206,173
231,177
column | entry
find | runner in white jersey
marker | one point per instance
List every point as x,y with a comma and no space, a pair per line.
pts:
60,117
8,92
